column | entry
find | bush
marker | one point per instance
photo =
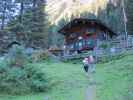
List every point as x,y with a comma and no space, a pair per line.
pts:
40,55
18,76
44,55
36,78
104,46
16,80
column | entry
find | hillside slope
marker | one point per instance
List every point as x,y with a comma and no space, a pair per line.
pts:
66,9
114,80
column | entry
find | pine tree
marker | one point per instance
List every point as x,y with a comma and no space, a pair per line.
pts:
39,23
31,23
129,10
6,12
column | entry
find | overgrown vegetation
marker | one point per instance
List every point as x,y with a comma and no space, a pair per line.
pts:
19,76
66,81
113,80
15,80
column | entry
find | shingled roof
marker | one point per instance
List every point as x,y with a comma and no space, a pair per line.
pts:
81,22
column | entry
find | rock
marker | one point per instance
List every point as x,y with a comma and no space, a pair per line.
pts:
46,98
29,51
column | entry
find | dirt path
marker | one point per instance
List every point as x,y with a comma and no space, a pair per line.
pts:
90,93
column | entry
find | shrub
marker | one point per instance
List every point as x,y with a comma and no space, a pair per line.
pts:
104,46
18,76
44,55
16,80
40,55
36,78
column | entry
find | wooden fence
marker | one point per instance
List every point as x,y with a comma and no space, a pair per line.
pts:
114,48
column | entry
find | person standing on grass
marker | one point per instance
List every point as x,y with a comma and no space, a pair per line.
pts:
89,64
92,63
89,67
86,64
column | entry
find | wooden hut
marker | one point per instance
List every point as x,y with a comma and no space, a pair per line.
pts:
82,34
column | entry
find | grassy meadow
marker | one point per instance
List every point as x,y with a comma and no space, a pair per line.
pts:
67,81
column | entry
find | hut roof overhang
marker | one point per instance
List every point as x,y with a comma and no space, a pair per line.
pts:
81,22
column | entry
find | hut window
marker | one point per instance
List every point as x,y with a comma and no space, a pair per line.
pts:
73,35
76,45
72,46
79,44
90,42
91,30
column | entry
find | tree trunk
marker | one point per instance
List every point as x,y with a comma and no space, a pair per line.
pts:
21,12
34,3
3,16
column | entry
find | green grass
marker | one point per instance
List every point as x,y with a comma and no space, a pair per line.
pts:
68,81
114,79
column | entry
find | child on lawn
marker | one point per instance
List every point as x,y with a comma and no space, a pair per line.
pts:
89,64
